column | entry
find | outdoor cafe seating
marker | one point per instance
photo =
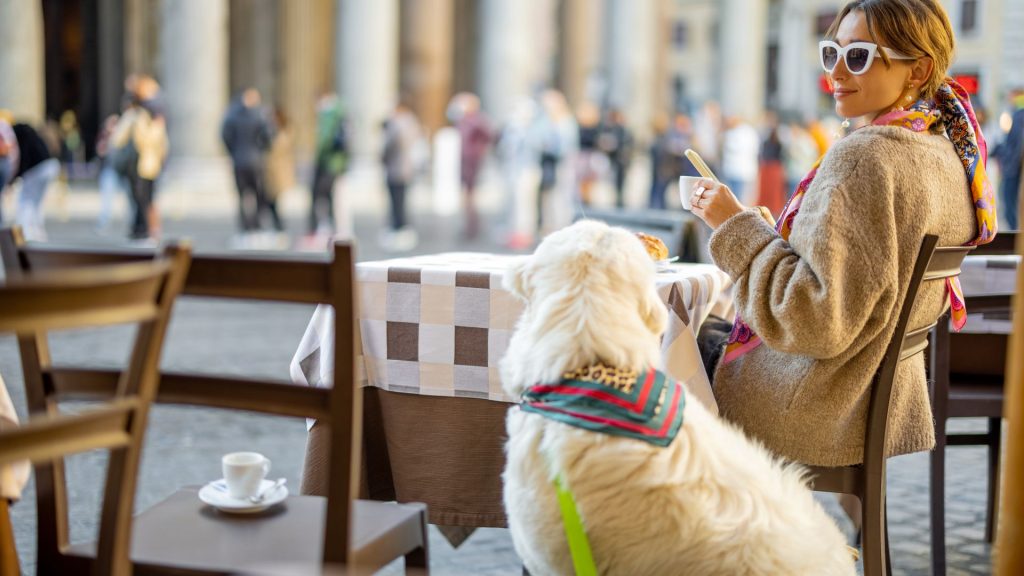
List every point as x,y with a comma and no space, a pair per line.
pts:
180,534
419,338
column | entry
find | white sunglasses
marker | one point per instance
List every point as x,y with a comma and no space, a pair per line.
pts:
858,56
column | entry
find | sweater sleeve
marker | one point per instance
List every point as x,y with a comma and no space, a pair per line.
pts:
814,294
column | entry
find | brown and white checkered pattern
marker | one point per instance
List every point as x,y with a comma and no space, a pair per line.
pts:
438,325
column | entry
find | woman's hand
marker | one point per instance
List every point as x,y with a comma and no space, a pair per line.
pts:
714,203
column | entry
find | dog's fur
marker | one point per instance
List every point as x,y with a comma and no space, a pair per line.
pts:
712,502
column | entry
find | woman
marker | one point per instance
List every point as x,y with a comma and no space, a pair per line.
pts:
818,295
280,167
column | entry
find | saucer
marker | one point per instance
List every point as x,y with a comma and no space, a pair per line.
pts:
216,494
666,264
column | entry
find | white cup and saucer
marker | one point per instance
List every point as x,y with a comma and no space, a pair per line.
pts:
244,488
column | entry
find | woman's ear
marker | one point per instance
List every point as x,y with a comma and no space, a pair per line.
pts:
921,71
517,279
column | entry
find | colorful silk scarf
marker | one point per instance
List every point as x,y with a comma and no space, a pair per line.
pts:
953,107
644,406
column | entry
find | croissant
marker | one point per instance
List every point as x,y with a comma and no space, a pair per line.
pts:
656,249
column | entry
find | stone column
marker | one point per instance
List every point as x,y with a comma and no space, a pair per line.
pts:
513,45
367,67
253,48
142,32
306,32
194,46
582,24
634,37
111,39
426,58
21,59
742,45
798,66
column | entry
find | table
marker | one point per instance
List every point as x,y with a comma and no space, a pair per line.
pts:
432,330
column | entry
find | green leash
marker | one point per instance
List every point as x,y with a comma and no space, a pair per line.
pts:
579,546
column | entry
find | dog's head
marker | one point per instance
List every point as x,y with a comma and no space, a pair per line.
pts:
590,296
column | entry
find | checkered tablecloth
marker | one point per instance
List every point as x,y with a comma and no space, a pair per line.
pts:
987,276
438,325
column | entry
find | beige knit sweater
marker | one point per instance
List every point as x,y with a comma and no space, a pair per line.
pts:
826,302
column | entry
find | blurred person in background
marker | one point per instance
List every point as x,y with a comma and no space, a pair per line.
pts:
247,133
707,130
771,191
801,154
332,148
590,162
401,135
110,181
72,150
616,141
519,171
37,168
1010,155
8,153
475,135
557,139
741,146
280,167
668,159
139,148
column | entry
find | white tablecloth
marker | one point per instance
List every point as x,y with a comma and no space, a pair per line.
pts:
438,325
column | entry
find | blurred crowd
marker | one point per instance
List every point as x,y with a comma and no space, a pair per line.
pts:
551,162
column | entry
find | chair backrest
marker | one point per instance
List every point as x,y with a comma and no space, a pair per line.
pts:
676,229
308,279
932,264
32,304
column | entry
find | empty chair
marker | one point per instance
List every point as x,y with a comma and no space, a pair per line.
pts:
175,536
30,306
967,371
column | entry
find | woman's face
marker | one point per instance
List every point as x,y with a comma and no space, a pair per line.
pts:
877,90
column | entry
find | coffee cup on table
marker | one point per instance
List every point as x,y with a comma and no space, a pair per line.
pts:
243,473
686,186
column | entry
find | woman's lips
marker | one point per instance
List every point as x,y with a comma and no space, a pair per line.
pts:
842,93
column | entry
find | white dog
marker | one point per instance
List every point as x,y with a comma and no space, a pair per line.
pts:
710,502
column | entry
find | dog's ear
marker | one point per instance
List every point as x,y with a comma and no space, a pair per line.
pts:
652,310
517,279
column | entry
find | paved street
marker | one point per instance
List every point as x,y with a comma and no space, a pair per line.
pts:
184,444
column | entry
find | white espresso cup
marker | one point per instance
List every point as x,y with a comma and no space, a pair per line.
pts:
243,472
686,186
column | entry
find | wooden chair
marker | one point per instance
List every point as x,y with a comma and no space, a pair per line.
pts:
867,480
33,304
337,529
967,373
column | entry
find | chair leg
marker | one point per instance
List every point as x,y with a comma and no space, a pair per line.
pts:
888,549
873,532
995,435
937,489
8,551
420,557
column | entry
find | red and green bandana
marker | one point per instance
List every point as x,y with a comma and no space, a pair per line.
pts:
953,107
644,406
